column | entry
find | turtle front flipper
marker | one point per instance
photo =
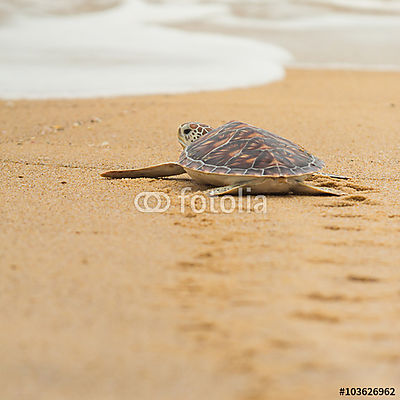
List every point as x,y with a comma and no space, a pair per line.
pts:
230,189
154,171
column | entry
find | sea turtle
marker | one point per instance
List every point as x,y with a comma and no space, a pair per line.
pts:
238,155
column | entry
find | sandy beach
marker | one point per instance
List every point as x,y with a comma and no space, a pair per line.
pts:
100,301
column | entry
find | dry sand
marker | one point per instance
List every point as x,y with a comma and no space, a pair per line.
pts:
99,301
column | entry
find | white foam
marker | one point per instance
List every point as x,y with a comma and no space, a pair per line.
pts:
121,51
48,49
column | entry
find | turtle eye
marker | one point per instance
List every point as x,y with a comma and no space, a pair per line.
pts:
186,131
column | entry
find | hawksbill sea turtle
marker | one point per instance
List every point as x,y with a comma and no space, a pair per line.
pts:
238,155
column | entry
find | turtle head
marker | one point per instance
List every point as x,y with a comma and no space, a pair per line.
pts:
191,131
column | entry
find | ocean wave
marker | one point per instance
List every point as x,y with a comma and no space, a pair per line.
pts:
81,48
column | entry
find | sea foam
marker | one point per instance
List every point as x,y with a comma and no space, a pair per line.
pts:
124,50
85,48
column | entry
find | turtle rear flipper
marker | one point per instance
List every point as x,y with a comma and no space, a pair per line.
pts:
331,176
305,188
154,171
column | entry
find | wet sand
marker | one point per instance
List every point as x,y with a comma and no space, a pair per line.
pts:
100,301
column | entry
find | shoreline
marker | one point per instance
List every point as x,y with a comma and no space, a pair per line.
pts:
102,301
288,70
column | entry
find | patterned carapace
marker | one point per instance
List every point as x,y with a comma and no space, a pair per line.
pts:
237,148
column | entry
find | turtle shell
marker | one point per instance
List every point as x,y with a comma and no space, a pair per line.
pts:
237,148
